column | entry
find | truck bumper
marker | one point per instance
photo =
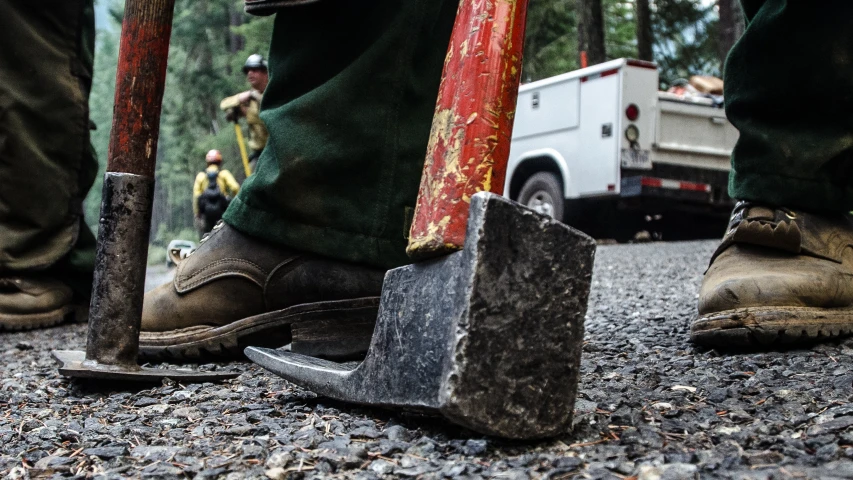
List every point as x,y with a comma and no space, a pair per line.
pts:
636,187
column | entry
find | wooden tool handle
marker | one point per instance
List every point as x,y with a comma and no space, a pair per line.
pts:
140,81
472,126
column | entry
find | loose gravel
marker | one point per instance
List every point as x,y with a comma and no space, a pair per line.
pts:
651,406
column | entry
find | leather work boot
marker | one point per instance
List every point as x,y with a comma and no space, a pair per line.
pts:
235,291
27,302
779,276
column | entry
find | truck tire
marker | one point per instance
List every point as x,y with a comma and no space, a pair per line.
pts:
543,193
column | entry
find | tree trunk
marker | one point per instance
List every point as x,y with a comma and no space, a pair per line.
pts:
235,19
591,30
731,27
644,30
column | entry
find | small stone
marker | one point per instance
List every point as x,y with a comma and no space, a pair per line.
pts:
474,447
388,447
156,409
155,453
397,432
365,432
105,452
827,452
764,458
54,462
187,412
832,426
453,471
381,467
145,401
279,459
414,471
567,463
673,471
717,395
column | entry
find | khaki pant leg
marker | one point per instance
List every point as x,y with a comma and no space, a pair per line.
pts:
47,164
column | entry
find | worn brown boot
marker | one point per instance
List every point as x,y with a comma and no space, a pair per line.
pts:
29,302
780,276
236,290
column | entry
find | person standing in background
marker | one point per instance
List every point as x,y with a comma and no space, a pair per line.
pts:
248,104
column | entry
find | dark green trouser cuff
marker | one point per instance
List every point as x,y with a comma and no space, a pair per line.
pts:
777,190
327,241
348,108
789,90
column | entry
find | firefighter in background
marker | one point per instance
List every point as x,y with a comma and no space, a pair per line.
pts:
248,104
213,190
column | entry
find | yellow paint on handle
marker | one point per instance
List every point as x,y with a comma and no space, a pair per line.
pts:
242,143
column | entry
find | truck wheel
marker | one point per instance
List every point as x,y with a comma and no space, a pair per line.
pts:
542,193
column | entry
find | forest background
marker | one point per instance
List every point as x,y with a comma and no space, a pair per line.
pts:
211,39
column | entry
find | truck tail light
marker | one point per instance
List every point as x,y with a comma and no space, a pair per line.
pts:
632,112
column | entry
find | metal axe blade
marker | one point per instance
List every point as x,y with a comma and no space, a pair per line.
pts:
489,337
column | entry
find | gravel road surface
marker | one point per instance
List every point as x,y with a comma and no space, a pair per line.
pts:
651,406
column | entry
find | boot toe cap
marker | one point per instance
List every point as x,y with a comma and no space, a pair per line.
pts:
744,277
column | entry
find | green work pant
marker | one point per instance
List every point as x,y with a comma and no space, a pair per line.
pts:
349,105
47,164
789,91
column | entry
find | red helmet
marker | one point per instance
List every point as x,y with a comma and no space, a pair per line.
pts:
213,156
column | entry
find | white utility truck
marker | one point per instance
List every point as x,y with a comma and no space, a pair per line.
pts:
603,150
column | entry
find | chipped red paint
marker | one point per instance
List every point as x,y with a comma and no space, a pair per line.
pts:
140,81
472,126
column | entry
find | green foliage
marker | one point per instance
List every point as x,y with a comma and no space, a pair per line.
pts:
684,32
257,35
156,255
551,44
101,108
210,42
620,39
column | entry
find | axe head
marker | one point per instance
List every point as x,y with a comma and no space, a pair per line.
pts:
489,337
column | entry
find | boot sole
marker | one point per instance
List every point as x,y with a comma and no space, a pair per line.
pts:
30,321
771,326
347,327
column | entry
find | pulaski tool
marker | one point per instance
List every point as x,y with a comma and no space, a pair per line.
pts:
241,142
490,336
115,312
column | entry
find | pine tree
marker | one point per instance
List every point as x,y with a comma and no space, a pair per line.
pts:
591,31
645,39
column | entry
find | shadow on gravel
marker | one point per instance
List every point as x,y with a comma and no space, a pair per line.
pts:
809,345
431,426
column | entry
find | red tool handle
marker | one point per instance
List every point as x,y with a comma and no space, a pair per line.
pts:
115,312
140,81
472,126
